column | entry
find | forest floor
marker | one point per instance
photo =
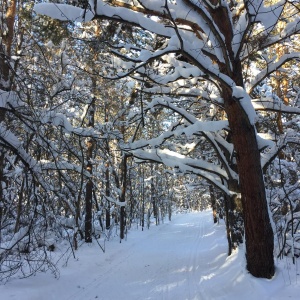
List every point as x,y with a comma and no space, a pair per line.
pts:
182,259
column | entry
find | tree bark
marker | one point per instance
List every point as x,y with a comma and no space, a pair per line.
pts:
258,230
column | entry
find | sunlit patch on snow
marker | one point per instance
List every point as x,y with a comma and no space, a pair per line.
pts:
209,234
169,286
183,269
148,281
186,224
207,277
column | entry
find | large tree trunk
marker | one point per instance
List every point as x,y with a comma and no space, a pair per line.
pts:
258,230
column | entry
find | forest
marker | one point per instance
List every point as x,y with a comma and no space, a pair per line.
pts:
117,114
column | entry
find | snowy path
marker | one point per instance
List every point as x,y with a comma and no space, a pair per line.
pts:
182,259
165,264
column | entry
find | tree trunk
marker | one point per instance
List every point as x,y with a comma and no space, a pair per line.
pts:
19,207
213,203
1,191
143,196
8,22
122,198
258,230
107,194
228,229
132,199
6,44
89,196
107,174
88,212
234,223
280,80
89,186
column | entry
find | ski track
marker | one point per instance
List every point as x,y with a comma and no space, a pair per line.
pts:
170,270
196,263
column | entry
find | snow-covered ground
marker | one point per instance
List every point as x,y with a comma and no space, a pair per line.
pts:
182,259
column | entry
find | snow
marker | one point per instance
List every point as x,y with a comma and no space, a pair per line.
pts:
134,17
176,160
10,99
241,95
266,15
186,165
182,259
291,28
8,138
289,137
272,66
239,30
264,140
270,104
64,12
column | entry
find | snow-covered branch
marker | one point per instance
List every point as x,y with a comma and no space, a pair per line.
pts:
269,104
289,138
209,171
10,141
272,67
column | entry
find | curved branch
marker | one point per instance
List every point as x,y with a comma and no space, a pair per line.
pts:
185,165
272,68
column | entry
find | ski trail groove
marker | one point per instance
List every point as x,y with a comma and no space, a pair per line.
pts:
196,262
95,282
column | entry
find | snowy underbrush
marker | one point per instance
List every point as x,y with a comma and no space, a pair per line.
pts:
284,193
44,246
30,250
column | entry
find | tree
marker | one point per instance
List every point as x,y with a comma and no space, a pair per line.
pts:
6,48
212,41
42,159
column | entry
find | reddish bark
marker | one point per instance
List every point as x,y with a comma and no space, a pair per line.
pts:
258,230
